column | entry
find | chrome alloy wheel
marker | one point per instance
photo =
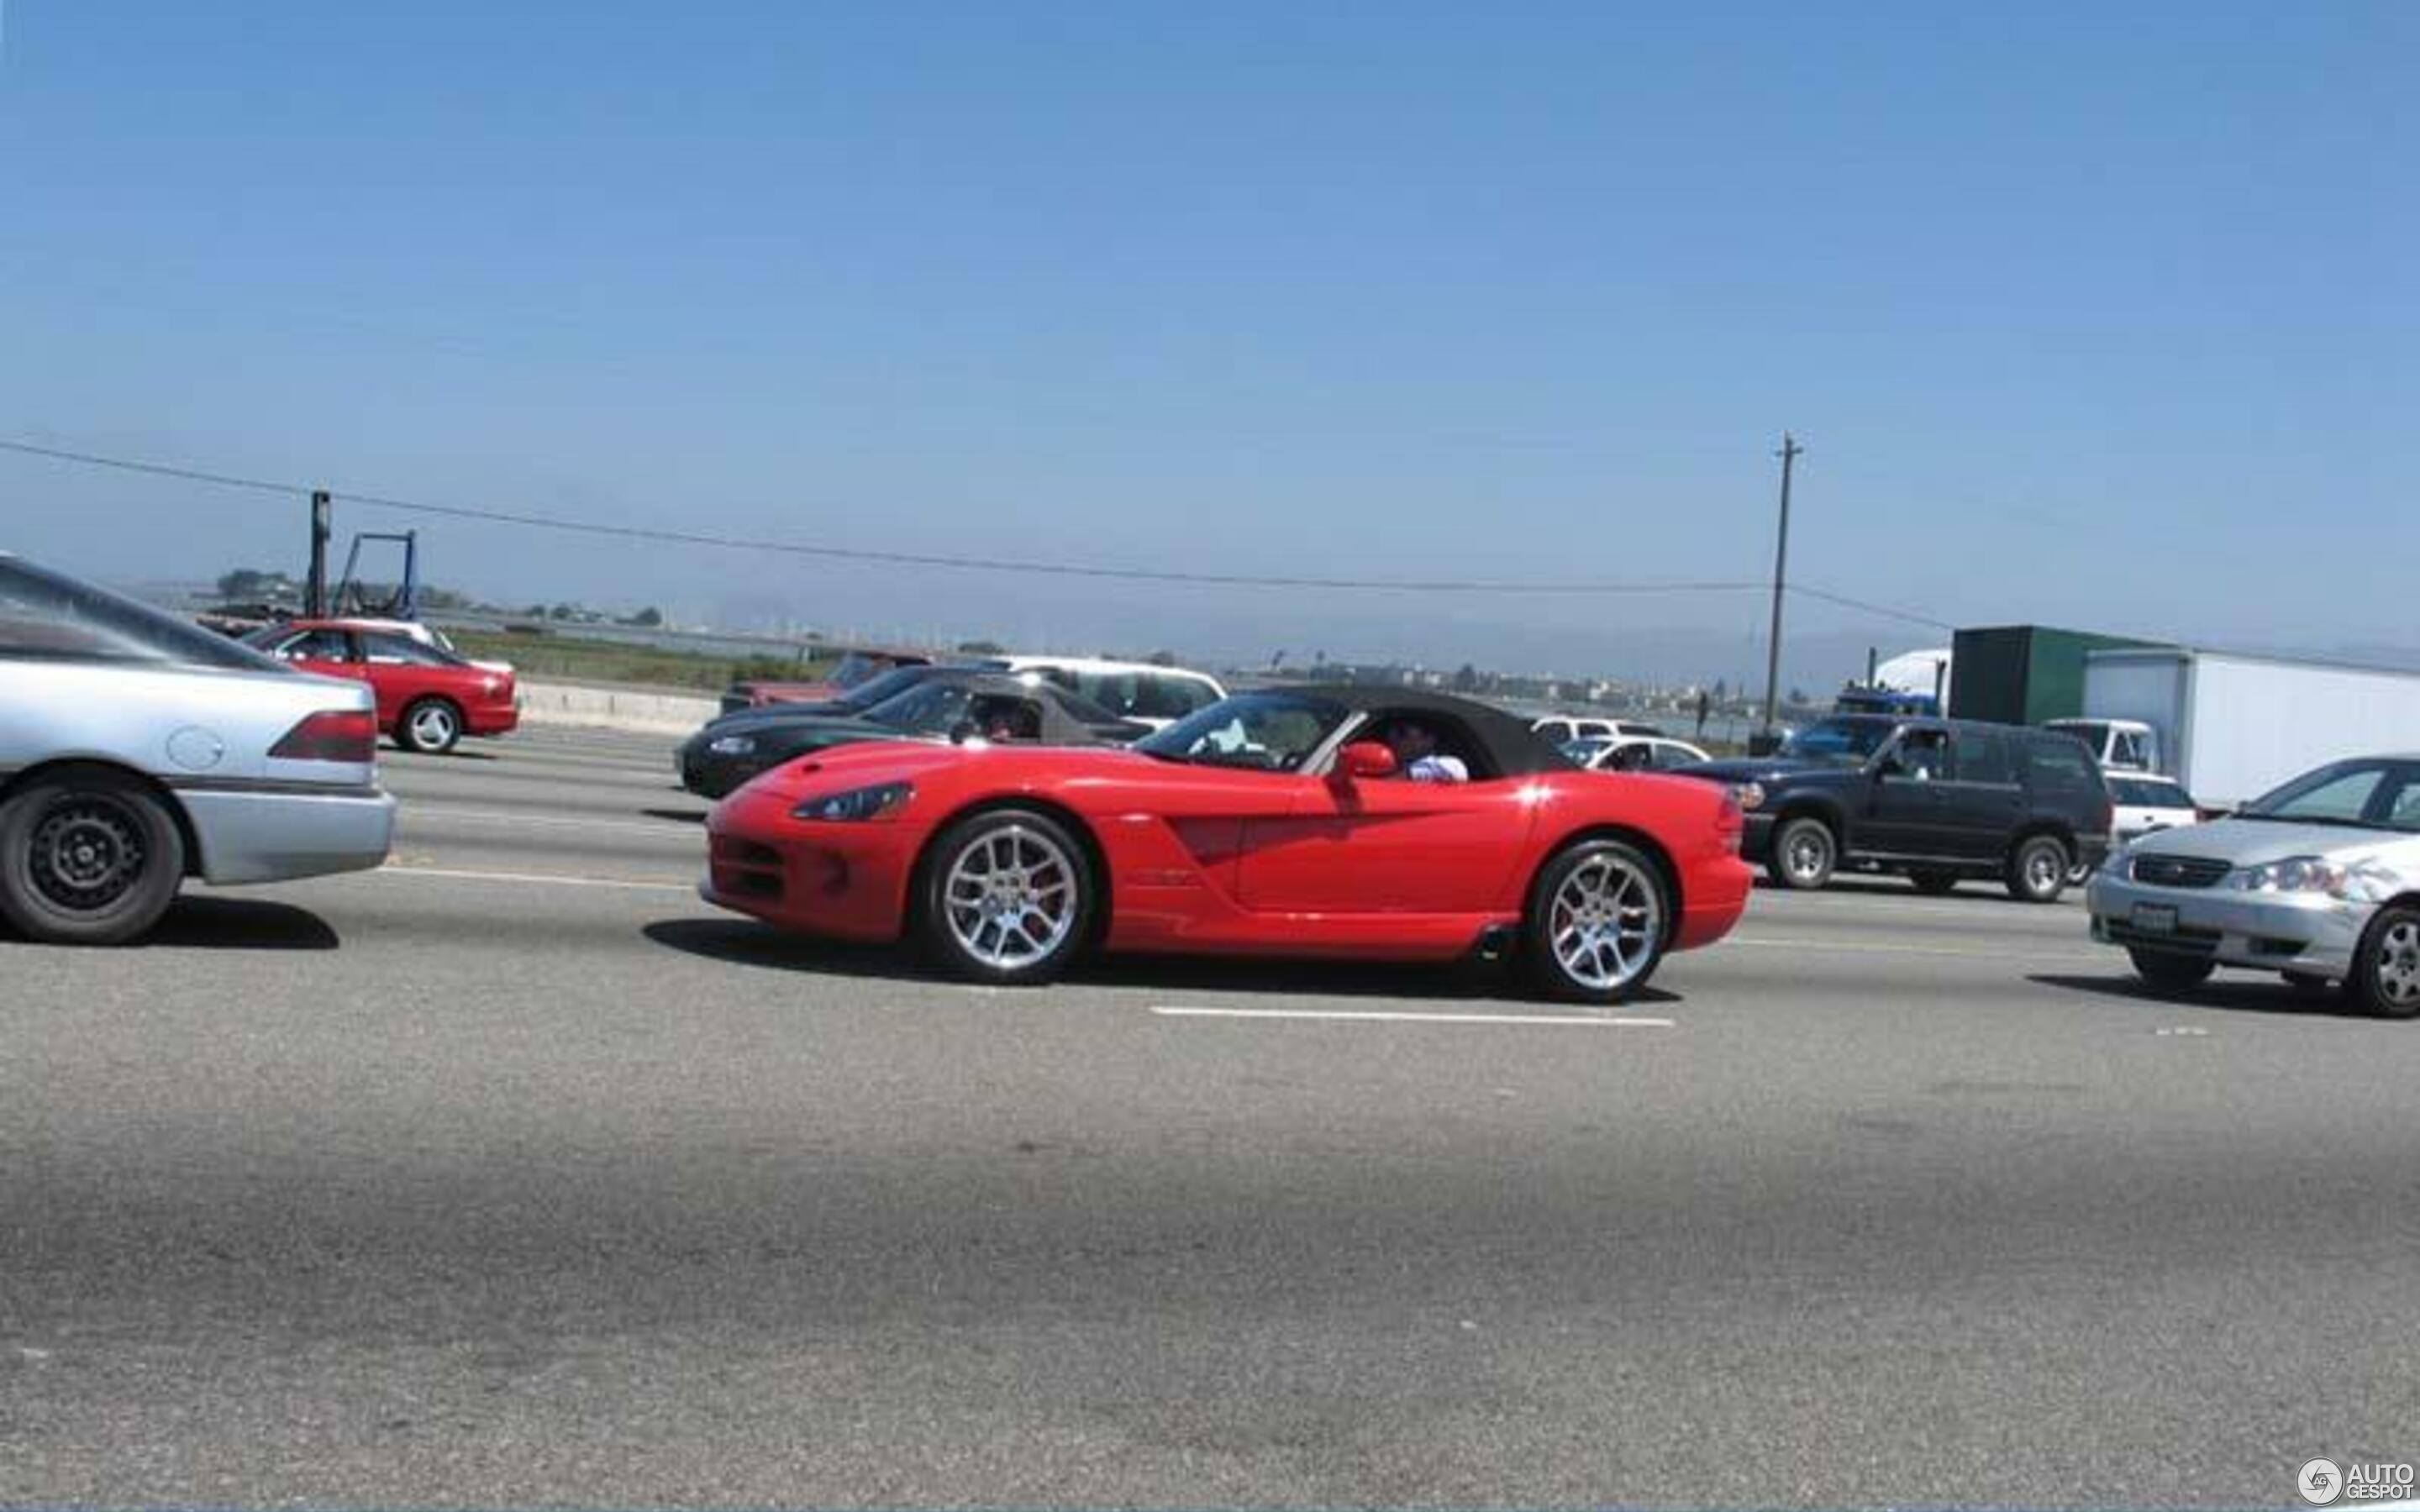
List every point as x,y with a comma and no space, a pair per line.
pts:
432,727
87,854
2045,869
1607,923
2398,965
1809,854
1011,897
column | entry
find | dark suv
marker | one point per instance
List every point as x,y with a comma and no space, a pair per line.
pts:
1939,799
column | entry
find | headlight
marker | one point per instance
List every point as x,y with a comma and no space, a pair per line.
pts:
733,746
857,805
2355,882
1749,795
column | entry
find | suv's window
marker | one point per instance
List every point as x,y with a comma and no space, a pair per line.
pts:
46,616
2057,761
1921,756
1983,756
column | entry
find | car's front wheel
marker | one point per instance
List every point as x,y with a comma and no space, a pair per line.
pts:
2386,969
1007,898
1598,919
2171,971
2038,869
88,858
1804,853
429,727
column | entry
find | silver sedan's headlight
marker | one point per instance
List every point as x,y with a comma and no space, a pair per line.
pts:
2356,881
733,746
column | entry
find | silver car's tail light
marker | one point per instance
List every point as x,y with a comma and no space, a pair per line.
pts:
331,735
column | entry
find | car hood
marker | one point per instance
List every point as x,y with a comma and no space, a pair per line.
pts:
2254,841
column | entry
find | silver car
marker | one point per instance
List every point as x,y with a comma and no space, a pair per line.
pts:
137,751
2318,881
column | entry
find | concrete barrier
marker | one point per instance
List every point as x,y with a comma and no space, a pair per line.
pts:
605,706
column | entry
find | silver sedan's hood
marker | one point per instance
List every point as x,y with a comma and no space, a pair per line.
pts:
2253,842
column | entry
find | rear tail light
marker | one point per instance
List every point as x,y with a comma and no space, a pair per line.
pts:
1731,824
331,735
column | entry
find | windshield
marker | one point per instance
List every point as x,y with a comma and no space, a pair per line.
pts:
1839,742
51,617
2369,794
889,684
860,667
926,709
1266,732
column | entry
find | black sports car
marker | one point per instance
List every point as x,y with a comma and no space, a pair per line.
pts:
942,704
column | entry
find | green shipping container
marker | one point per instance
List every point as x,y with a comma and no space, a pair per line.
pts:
2023,673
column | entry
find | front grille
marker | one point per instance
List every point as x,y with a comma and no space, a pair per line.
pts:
2178,871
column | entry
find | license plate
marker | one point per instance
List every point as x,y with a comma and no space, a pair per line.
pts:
2155,919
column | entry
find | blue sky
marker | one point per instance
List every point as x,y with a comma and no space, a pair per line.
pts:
2088,314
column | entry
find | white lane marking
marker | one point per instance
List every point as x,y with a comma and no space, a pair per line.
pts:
1856,949
556,879
422,808
1395,1016
2184,1031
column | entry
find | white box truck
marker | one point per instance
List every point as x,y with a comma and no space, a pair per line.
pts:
2233,726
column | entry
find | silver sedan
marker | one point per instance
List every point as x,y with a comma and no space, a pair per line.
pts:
2318,881
137,750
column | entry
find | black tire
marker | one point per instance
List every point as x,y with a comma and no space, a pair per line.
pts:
87,856
2385,978
2038,869
2172,971
2309,987
970,936
1933,880
431,726
1805,851
1630,899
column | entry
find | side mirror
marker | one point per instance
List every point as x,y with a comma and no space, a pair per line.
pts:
1365,759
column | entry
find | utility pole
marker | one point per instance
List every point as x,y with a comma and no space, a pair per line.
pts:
314,593
1788,454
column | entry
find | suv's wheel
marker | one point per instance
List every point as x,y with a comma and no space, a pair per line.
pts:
88,858
2386,968
1007,898
1597,922
2038,869
429,727
1804,853
1933,880
2171,971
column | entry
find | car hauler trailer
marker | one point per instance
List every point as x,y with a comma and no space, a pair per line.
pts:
2233,726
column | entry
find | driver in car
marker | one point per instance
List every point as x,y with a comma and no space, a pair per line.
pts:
1417,757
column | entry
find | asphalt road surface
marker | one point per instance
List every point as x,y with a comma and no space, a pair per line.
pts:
512,1174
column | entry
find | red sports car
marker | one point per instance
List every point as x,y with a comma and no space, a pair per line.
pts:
1275,823
427,696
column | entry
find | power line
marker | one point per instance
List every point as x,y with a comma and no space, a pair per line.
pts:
914,559
1845,602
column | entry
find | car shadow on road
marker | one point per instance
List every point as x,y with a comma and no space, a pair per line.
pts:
2243,995
686,816
1981,891
757,944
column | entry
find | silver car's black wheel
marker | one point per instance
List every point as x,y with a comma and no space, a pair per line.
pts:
2172,971
2387,968
88,858
1598,922
1007,898
430,727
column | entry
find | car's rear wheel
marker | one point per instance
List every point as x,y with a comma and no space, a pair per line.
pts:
2386,968
429,727
2172,971
1007,898
2038,869
1933,880
1599,917
1804,853
88,858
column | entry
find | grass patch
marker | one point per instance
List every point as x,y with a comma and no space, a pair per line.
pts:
544,657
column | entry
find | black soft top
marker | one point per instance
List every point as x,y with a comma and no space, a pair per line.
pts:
1506,742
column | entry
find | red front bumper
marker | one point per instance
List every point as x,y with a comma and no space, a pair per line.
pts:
849,880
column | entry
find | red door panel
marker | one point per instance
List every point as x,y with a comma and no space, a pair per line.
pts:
1387,847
